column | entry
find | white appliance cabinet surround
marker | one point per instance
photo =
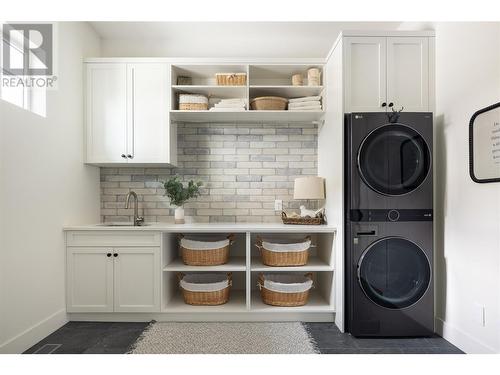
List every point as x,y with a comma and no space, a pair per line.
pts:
127,114
382,72
117,274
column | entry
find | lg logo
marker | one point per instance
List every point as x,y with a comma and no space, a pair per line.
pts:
27,49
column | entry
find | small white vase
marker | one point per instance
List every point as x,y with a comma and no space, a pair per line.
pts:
179,215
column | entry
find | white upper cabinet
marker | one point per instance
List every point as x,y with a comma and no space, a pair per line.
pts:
408,73
365,73
106,112
381,73
128,114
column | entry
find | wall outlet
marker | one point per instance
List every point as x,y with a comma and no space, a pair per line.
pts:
278,205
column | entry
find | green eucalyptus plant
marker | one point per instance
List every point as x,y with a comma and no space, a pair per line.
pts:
178,193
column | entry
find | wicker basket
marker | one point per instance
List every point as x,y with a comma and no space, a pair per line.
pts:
269,103
275,255
193,102
210,253
205,298
303,220
231,79
283,299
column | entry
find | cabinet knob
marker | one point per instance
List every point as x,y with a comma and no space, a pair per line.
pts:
124,156
391,104
115,255
384,104
130,156
108,255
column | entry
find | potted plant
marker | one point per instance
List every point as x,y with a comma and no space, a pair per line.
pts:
179,194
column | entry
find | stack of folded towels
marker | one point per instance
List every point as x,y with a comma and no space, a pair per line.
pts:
308,103
230,105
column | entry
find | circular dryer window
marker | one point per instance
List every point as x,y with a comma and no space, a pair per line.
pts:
394,272
394,159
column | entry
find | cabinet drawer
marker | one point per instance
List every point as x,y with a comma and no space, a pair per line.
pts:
113,238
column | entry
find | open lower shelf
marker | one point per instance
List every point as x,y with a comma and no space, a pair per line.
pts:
234,264
241,116
313,264
316,303
213,91
286,91
236,303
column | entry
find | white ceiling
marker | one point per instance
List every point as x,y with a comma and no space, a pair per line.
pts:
225,39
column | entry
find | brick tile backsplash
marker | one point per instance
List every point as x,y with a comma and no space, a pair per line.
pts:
244,168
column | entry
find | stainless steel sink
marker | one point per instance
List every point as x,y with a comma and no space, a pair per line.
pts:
121,224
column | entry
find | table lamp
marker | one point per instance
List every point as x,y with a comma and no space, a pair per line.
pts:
309,188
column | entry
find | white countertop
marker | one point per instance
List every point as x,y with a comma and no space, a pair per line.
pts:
208,227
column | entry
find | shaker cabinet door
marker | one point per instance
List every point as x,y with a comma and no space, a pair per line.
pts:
365,74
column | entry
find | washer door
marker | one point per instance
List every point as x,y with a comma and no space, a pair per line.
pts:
394,272
394,159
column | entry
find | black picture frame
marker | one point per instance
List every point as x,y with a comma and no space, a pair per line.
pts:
471,146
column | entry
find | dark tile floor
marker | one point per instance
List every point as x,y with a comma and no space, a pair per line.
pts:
116,338
331,341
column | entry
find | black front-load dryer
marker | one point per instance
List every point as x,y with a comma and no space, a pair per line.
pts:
390,286
389,164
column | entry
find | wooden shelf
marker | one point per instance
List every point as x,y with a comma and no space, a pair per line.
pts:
245,116
314,264
315,304
234,264
286,91
236,303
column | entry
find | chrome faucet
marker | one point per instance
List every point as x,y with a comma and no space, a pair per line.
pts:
137,219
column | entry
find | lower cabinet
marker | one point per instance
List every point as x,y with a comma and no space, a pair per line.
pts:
117,279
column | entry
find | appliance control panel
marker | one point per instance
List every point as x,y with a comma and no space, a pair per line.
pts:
390,215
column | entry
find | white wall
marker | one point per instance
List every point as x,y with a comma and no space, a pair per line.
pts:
467,214
44,185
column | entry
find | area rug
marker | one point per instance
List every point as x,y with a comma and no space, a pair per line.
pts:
224,338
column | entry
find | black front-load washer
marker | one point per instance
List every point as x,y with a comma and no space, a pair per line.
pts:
389,224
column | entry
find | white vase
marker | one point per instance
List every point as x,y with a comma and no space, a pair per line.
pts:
179,215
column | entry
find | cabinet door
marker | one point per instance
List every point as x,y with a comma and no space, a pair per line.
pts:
149,88
365,74
408,73
89,279
137,279
106,112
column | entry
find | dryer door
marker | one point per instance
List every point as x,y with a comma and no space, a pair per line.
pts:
394,159
394,272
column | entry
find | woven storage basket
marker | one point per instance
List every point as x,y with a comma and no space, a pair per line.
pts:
319,220
231,79
283,255
269,103
205,253
193,102
220,283
277,296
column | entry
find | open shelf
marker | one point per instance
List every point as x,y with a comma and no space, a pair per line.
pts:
244,116
234,264
316,303
313,264
236,303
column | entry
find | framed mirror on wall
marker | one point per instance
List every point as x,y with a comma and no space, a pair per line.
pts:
484,145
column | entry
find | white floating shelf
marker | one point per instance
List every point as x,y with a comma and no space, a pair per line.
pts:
236,303
241,117
286,91
314,264
234,264
316,303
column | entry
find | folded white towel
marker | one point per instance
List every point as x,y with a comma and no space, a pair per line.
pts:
304,99
229,105
222,109
304,104
310,108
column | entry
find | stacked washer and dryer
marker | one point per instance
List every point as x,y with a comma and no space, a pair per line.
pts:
389,224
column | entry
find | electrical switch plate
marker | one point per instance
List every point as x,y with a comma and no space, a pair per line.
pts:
278,205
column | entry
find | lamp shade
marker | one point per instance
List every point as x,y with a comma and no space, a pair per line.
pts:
309,188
